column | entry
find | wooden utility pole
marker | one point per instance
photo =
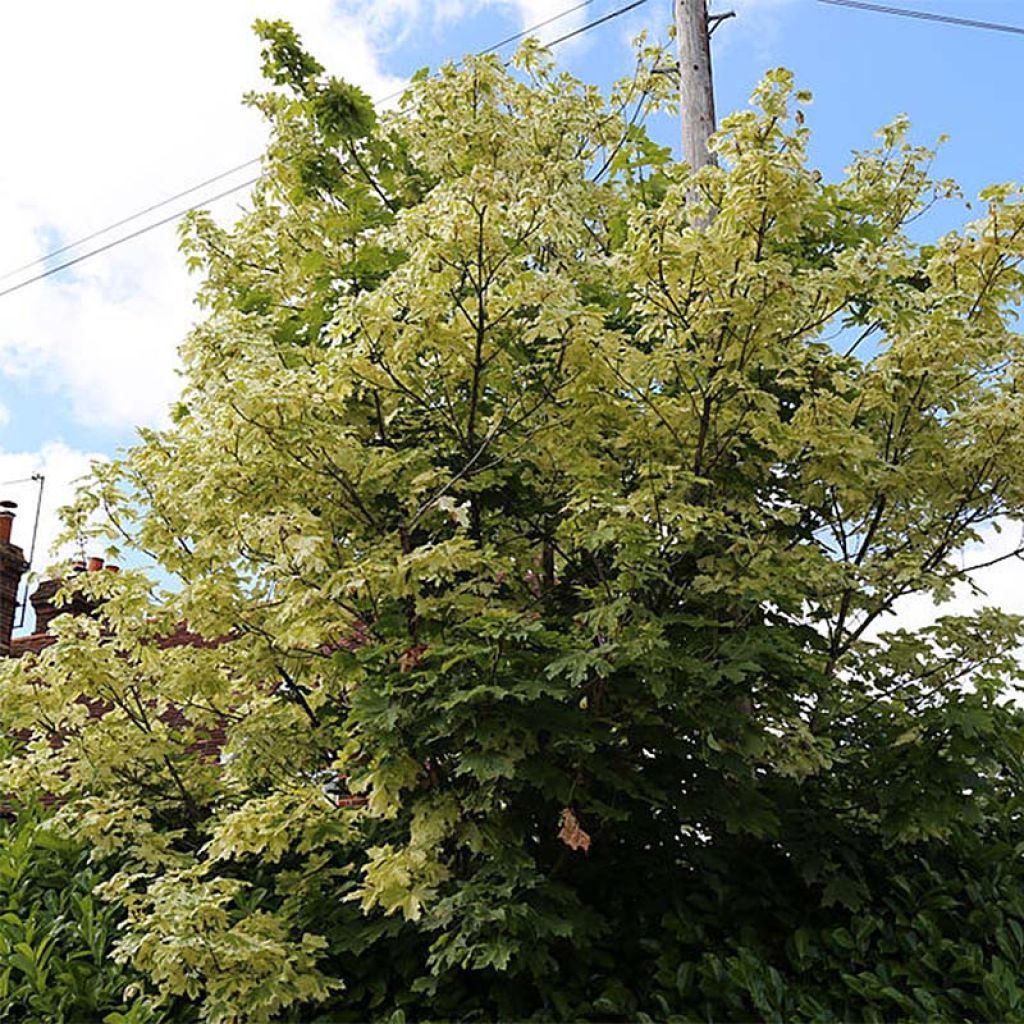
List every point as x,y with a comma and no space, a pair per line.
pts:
696,91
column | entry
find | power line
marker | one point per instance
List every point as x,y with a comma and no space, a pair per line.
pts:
255,160
126,238
946,19
593,24
251,181
127,220
533,28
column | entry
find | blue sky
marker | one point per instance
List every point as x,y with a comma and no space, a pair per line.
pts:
145,102
863,68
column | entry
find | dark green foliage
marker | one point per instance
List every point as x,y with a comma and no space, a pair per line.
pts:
344,112
790,900
56,934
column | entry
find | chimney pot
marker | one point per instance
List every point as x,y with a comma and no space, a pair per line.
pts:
95,564
113,568
6,520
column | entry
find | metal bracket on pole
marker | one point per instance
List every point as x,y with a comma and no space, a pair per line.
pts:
714,20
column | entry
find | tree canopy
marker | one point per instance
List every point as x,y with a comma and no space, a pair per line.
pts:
543,504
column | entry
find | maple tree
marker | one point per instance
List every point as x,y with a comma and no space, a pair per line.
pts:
547,527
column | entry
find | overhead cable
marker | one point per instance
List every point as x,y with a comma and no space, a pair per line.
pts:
946,19
598,21
255,160
533,28
126,238
127,220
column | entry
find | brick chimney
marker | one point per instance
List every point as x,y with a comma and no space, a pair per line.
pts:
44,598
12,568
42,604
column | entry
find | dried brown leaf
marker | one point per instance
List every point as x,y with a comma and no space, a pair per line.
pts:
411,657
571,833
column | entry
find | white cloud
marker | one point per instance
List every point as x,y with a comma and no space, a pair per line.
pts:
5,415
999,585
137,102
757,27
532,12
527,12
62,468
